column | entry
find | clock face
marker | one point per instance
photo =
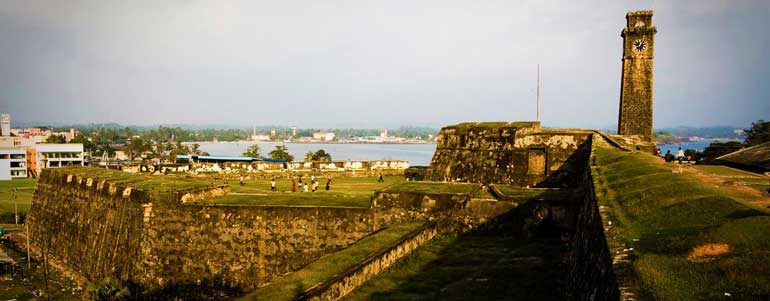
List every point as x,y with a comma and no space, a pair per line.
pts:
640,45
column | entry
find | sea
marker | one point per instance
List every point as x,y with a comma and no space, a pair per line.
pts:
416,154
698,145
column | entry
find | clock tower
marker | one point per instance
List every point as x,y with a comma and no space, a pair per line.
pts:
635,116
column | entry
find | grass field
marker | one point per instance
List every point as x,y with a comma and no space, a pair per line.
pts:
289,287
692,239
25,188
344,191
471,268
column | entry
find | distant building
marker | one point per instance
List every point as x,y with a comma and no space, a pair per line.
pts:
384,133
323,136
5,125
13,163
54,155
294,131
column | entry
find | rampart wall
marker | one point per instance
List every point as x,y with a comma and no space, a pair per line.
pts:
152,240
590,274
509,153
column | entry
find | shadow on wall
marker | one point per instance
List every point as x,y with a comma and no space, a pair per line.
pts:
570,173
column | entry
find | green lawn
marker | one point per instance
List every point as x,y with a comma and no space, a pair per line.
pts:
147,182
471,268
292,285
668,218
25,188
344,191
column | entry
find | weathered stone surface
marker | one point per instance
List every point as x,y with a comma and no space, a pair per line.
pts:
510,153
153,240
635,116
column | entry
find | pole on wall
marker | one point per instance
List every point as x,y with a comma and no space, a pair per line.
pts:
538,92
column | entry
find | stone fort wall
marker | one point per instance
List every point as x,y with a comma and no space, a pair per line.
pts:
511,153
152,240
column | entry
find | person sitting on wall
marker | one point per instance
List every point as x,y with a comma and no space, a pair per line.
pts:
655,150
272,184
669,157
680,155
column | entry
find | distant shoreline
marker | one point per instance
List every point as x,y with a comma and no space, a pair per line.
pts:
302,142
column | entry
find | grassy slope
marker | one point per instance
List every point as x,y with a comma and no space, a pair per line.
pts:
471,268
664,215
290,286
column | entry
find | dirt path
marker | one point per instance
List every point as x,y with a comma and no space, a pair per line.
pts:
755,197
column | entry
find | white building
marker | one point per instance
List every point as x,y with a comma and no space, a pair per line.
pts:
57,155
5,125
13,163
323,136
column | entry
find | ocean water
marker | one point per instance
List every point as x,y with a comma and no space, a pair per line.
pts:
696,145
416,154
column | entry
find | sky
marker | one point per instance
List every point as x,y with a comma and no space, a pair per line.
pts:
362,63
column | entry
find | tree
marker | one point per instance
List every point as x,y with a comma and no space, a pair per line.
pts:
252,151
322,155
136,147
309,156
281,153
717,149
55,139
87,144
758,133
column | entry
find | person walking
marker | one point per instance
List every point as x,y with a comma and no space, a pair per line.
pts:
380,179
272,184
680,155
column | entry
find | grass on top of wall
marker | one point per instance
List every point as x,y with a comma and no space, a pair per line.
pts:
290,286
143,181
343,191
692,240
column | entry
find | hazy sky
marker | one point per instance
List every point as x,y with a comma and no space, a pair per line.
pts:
374,63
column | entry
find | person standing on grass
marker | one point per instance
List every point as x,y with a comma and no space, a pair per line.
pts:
315,186
305,187
272,184
300,180
241,180
293,185
680,155
328,183
380,179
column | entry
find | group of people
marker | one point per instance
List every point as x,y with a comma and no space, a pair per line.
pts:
669,157
312,186
296,183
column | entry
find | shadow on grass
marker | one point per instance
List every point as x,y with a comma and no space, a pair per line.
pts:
474,267
746,213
